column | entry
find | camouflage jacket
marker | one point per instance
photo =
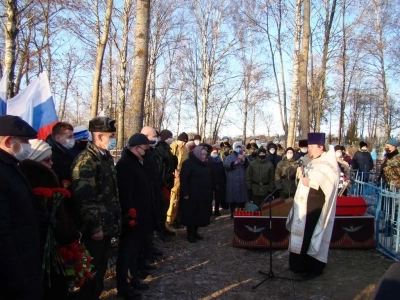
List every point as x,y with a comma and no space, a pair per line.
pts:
166,164
285,170
391,170
95,192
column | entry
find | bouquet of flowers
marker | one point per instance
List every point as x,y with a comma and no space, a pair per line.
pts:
50,199
77,264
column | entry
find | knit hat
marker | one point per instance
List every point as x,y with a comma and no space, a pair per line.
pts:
303,143
197,137
183,137
39,150
165,134
363,144
289,148
237,144
81,133
393,142
338,148
262,150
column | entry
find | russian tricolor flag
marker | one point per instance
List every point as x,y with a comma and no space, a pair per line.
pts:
35,105
3,95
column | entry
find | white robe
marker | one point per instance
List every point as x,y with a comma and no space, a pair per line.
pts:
323,173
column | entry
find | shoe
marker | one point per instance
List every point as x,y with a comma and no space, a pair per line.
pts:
191,239
148,266
143,274
310,275
136,284
198,237
129,295
175,225
217,214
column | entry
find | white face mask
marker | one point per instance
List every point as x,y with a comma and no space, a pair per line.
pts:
25,150
169,141
70,143
304,150
214,155
338,154
364,148
197,142
289,155
155,144
272,151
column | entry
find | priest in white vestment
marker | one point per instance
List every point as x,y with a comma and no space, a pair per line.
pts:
311,218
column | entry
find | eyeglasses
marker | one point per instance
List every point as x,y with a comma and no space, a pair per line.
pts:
47,160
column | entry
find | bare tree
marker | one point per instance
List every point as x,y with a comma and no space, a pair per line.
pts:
140,62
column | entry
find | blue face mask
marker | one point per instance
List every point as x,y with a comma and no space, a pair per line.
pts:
111,143
237,150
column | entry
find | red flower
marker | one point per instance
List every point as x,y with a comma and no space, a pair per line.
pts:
63,191
45,192
63,251
78,256
66,183
132,213
70,255
73,247
78,267
132,223
82,250
87,274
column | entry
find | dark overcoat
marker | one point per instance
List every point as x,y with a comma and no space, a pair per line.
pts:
136,191
20,275
236,191
196,180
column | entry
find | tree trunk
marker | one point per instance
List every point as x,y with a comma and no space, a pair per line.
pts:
303,63
329,15
11,32
344,67
140,62
291,136
101,47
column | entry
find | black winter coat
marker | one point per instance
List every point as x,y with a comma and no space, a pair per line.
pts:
362,161
62,160
196,180
219,172
20,267
136,190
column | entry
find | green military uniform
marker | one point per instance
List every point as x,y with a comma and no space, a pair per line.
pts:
285,177
95,192
166,164
260,179
181,154
225,150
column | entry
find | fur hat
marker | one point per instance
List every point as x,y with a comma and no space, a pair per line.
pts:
102,124
362,144
39,150
303,143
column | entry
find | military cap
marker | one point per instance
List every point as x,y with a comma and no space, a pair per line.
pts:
15,126
102,124
139,139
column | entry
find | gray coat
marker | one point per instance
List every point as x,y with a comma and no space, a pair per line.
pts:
236,191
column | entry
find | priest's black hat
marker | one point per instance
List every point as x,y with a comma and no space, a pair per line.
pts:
316,138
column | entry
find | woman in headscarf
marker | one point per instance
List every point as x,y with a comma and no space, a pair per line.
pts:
196,193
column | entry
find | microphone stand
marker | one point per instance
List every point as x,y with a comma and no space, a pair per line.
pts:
270,274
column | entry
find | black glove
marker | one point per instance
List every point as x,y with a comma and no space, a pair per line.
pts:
249,194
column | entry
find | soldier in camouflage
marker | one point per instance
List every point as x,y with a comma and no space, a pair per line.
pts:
390,168
285,175
225,148
95,192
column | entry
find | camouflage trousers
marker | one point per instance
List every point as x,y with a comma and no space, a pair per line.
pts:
174,202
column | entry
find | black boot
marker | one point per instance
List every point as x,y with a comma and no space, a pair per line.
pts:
191,234
196,235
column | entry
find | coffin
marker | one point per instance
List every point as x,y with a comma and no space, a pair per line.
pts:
351,206
355,232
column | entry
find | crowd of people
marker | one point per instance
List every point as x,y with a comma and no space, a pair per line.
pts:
159,184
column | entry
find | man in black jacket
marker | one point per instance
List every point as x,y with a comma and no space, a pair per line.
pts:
136,191
20,274
61,141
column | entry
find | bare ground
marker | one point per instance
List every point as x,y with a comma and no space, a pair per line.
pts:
213,269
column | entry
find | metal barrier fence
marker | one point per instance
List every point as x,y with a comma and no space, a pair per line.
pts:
384,205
